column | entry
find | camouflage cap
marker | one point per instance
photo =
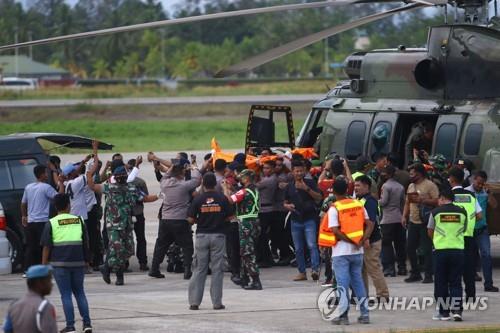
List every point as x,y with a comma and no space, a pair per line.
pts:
247,173
438,161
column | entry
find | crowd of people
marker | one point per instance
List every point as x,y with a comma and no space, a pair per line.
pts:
283,211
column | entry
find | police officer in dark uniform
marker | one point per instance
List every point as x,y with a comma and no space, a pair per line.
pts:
467,201
446,227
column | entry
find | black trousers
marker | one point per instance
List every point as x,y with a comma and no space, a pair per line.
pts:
140,237
393,246
448,268
281,237
418,239
33,254
95,240
469,267
233,247
263,250
169,231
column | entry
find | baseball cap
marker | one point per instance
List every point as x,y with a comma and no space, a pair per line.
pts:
38,271
69,168
240,158
120,170
233,166
247,173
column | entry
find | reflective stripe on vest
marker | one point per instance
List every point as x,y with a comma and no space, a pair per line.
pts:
379,212
254,213
467,202
326,238
66,230
449,231
351,214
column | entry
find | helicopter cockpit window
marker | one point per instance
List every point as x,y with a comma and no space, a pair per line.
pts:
472,141
381,137
355,139
446,141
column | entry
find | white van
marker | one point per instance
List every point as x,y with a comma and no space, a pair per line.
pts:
17,83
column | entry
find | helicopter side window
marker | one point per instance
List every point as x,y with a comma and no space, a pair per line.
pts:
446,140
355,139
472,141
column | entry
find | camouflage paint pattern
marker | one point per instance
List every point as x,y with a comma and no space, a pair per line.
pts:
249,230
120,200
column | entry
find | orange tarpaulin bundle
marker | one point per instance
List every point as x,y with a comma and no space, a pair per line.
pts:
307,153
217,153
253,162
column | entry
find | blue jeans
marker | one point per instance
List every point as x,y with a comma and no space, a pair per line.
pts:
482,238
70,281
306,233
348,273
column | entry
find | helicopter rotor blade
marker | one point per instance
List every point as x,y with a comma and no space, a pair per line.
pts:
300,43
190,19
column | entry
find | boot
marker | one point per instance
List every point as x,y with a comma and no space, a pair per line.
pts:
244,280
119,277
187,273
255,285
105,273
236,279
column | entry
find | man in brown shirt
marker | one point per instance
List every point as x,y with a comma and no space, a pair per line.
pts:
422,196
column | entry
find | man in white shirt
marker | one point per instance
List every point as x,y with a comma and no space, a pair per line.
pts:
74,187
347,253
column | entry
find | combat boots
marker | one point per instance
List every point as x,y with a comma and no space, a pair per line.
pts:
105,273
119,277
255,285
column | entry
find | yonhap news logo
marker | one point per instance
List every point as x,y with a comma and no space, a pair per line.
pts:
332,302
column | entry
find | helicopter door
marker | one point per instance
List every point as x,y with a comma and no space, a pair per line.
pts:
447,135
382,133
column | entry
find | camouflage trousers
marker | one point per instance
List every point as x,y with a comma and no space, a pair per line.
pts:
120,248
249,230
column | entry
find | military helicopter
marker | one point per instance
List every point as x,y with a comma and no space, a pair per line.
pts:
451,84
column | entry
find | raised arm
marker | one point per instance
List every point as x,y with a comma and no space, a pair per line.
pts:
90,173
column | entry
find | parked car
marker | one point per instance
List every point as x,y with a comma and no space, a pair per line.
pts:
18,83
19,154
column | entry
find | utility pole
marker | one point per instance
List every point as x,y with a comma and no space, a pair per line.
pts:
16,53
30,37
162,50
327,60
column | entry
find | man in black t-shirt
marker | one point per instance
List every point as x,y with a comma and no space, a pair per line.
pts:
210,210
301,200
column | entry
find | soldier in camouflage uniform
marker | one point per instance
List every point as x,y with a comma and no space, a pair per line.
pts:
439,173
120,199
248,203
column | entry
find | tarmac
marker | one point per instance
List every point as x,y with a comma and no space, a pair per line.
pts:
146,304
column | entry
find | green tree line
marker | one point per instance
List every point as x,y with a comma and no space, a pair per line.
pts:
199,49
